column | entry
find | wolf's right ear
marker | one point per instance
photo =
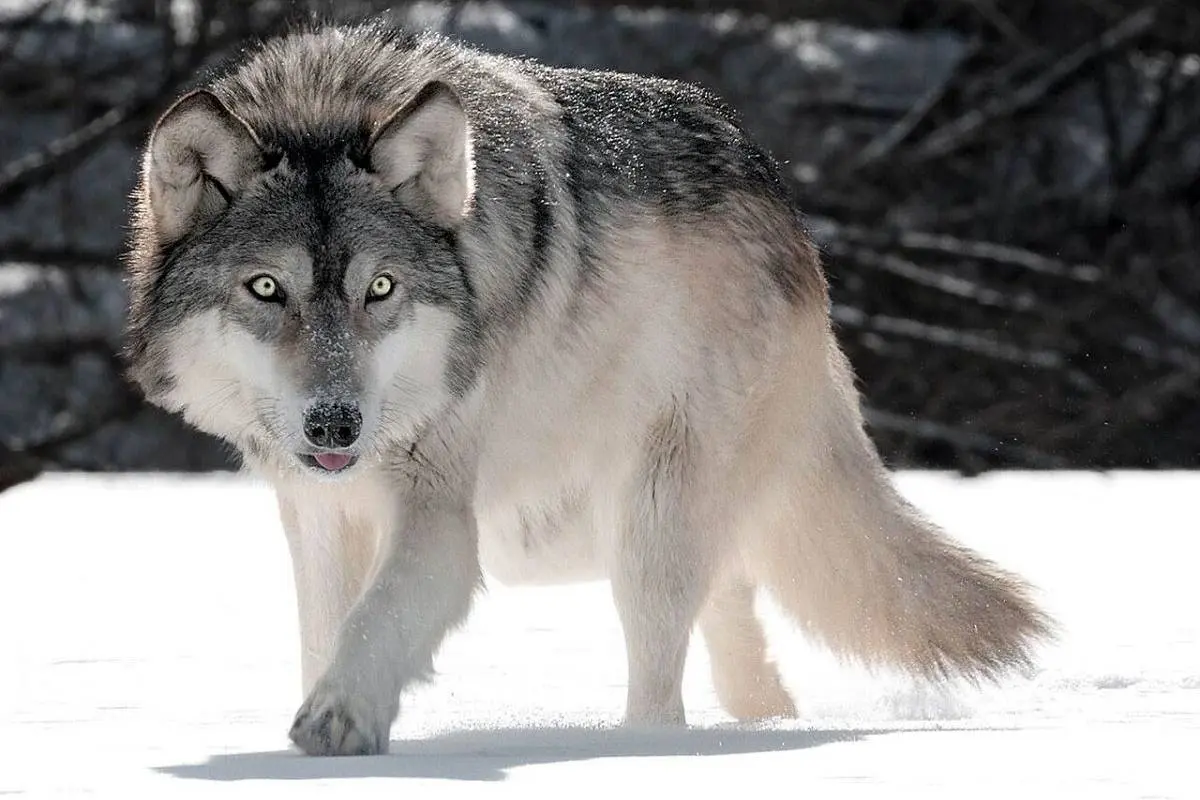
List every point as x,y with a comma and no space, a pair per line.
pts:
199,157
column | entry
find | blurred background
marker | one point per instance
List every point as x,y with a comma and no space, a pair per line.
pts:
1007,195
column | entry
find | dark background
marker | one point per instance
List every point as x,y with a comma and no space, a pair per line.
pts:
1007,195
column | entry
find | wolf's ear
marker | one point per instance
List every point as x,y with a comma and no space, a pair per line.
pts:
423,153
200,156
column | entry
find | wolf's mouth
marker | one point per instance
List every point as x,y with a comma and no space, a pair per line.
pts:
329,462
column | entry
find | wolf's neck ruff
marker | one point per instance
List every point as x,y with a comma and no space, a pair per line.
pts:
461,307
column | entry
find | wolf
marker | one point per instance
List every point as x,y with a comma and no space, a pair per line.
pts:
472,314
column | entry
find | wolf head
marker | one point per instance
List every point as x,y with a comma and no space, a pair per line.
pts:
299,293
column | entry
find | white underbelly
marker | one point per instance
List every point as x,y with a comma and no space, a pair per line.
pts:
555,544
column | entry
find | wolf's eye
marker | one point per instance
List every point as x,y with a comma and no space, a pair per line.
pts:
264,287
381,287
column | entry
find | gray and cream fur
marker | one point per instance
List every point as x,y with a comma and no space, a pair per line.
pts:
472,313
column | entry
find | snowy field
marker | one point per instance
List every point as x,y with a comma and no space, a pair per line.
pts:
148,648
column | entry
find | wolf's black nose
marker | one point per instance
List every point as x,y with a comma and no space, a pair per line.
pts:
332,425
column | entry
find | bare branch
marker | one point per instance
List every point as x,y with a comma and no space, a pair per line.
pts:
65,257
20,174
958,437
977,344
932,279
1166,88
963,130
962,248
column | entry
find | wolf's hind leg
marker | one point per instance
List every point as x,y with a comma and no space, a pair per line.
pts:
659,570
746,680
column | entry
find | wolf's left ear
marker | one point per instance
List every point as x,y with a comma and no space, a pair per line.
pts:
200,156
423,153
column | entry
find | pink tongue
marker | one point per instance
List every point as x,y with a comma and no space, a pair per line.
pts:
332,461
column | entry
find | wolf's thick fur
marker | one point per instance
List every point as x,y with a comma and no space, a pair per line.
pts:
569,326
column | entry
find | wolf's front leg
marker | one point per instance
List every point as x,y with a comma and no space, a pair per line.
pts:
332,553
422,589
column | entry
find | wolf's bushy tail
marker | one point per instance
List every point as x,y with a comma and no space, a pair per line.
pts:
863,571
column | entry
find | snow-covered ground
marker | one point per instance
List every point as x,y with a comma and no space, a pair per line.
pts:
148,647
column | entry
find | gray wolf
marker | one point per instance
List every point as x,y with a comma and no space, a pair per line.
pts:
474,315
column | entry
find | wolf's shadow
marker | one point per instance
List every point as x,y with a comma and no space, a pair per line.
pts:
487,755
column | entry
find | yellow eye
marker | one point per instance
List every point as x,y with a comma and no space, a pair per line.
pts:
381,287
264,287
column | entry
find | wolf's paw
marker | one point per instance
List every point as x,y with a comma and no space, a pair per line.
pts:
768,700
335,723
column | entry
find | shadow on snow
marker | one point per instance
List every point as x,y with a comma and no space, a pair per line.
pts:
486,755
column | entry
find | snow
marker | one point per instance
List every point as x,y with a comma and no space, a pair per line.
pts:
148,647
